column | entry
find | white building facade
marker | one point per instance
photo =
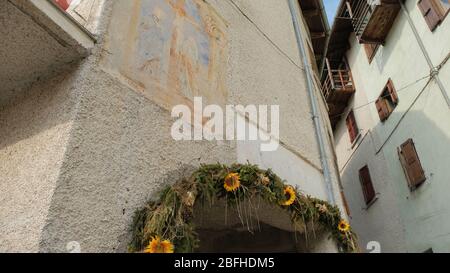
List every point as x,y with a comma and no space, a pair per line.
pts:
392,133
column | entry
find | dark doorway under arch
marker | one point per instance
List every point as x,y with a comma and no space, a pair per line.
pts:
265,239
256,228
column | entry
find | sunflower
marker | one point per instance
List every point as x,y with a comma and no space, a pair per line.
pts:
289,193
158,246
343,226
232,182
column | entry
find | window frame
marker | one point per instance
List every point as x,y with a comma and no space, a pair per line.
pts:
412,185
367,198
436,7
353,135
445,13
386,103
371,51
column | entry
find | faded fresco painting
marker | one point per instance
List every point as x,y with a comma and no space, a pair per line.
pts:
171,50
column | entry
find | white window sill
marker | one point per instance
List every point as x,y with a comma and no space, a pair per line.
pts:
367,207
356,140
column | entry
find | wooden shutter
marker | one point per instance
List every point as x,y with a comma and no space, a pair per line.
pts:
352,126
371,50
366,183
411,164
382,109
391,90
432,12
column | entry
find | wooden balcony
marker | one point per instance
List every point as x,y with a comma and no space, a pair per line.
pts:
338,86
372,22
337,89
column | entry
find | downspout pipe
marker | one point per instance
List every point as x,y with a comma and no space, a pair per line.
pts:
327,33
434,70
313,99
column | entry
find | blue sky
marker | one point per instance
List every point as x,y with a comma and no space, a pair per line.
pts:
330,7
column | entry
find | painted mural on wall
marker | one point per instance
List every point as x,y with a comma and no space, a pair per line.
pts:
171,50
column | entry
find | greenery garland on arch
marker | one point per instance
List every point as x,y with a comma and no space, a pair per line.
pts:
166,225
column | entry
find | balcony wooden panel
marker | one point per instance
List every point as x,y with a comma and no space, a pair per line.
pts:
337,89
372,23
338,86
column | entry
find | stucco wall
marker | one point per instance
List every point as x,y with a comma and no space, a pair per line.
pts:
121,154
379,221
34,43
400,220
253,63
35,129
118,151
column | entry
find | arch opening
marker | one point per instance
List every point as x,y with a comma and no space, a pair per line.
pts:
256,227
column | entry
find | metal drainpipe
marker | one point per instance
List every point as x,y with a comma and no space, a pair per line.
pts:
312,96
434,71
327,30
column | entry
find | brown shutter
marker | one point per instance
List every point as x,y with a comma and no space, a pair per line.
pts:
352,126
366,183
411,164
432,12
349,128
382,109
371,50
392,92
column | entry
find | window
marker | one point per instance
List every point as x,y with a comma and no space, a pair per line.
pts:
387,101
371,51
445,8
434,11
366,184
411,164
352,127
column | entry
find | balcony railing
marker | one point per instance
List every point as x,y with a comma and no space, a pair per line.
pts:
361,13
337,89
372,21
338,86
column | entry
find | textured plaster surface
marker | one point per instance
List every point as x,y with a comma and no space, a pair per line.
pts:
171,51
279,31
168,66
258,73
120,155
116,151
34,133
31,47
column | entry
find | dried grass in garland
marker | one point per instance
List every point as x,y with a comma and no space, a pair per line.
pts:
171,217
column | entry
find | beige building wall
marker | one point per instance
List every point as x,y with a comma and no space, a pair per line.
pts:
35,131
101,144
